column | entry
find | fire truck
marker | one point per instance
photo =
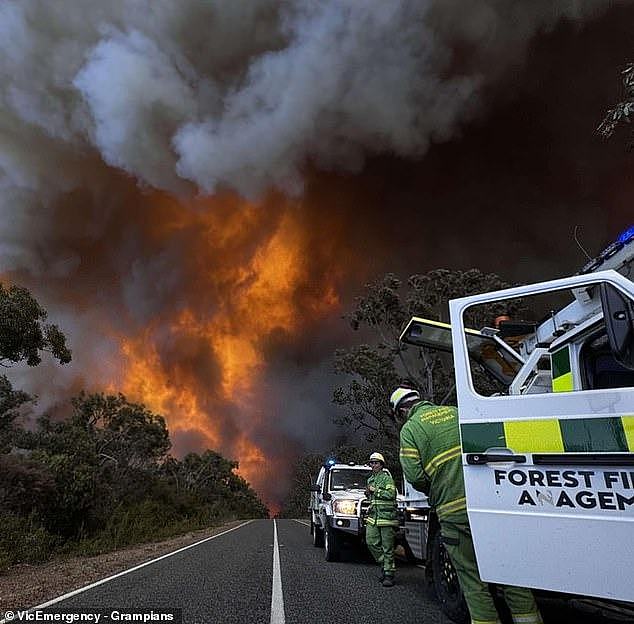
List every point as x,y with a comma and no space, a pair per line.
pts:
546,407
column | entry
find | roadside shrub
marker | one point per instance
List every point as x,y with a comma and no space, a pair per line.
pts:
5,560
24,540
26,486
141,522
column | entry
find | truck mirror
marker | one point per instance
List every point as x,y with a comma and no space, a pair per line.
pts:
315,488
618,315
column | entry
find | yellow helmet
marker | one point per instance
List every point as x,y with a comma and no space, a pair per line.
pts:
402,394
377,457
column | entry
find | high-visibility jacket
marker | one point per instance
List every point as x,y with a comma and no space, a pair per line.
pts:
382,510
431,457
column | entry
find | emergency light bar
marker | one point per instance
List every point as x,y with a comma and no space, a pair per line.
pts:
614,252
626,236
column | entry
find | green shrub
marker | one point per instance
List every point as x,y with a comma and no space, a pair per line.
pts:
5,560
24,540
144,521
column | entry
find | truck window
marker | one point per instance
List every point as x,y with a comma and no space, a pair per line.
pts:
599,367
561,338
343,479
494,364
492,369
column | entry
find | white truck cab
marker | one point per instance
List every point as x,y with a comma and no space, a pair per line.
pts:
548,456
337,504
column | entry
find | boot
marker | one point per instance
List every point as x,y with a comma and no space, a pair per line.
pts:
388,581
381,576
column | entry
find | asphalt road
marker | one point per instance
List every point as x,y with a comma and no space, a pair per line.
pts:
240,577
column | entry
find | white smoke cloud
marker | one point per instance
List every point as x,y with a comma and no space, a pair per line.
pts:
241,94
137,99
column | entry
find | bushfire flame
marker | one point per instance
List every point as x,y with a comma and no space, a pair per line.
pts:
248,275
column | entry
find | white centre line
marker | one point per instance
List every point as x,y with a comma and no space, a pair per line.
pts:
302,522
277,597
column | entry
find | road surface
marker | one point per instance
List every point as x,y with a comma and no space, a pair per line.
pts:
267,572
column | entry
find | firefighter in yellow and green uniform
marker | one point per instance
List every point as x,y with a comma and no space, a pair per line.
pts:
381,521
431,457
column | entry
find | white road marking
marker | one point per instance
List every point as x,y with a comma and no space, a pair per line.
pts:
277,597
302,522
138,567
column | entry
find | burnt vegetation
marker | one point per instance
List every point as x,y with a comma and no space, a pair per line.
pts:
100,475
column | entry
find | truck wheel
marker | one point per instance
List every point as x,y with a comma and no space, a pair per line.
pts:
410,557
318,535
332,544
445,581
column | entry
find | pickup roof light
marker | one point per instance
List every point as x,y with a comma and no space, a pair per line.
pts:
624,239
627,236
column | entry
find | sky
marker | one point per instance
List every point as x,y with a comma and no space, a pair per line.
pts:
198,191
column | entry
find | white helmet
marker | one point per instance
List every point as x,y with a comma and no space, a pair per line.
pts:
377,457
402,395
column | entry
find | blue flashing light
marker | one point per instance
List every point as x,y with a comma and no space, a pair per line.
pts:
330,462
626,236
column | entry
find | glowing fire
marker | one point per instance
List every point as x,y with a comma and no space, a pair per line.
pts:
249,267
146,380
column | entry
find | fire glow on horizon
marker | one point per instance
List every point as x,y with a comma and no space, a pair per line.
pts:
247,302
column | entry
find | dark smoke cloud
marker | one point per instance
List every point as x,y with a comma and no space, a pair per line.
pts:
413,134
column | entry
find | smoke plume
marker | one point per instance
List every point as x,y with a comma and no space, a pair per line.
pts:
196,190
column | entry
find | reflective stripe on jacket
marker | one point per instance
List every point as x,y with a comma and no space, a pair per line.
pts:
431,457
382,510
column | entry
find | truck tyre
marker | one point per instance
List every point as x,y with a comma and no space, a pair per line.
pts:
332,543
445,582
410,557
317,533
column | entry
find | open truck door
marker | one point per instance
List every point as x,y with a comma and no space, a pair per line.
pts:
549,474
485,349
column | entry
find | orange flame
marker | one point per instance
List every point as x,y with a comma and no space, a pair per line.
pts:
249,265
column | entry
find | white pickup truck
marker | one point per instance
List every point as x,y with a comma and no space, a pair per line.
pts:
337,504
337,512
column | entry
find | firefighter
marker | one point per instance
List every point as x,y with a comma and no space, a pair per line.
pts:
431,457
381,521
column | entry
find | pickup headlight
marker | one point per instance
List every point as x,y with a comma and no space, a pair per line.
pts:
345,507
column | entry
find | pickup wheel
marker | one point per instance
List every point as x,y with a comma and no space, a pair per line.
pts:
332,543
445,582
317,533
410,557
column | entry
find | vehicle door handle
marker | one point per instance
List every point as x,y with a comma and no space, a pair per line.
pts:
481,459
